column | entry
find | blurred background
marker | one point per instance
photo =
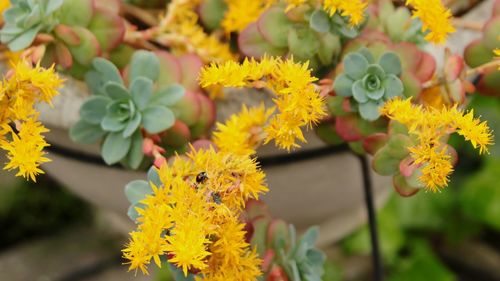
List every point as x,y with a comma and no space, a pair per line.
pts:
46,233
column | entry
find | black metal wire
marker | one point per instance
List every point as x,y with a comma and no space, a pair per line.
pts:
372,219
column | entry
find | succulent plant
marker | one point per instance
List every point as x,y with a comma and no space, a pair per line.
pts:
368,82
397,23
285,257
25,19
307,34
118,114
76,30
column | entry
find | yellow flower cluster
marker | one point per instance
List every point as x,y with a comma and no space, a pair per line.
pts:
193,218
297,100
436,19
25,86
354,9
294,4
240,13
243,132
432,126
179,30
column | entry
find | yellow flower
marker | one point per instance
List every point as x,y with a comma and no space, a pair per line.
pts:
354,9
25,86
4,5
188,247
195,221
431,125
241,13
435,17
297,100
242,133
25,150
232,258
179,30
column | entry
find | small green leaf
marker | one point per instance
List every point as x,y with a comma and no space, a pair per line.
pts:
107,71
132,212
132,125
274,26
391,63
94,109
320,21
86,133
112,124
141,90
136,154
116,91
376,70
359,93
367,54
157,119
343,85
370,110
144,64
377,94
23,40
355,65
393,87
168,96
115,148
303,42
154,177
137,190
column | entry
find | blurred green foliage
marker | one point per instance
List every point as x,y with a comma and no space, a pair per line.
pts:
28,210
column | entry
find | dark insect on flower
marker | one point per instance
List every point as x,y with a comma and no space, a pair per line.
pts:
217,198
201,177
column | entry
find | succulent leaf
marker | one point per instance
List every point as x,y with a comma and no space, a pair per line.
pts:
115,148
144,64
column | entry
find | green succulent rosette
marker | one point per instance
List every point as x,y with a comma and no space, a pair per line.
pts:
369,83
117,114
25,19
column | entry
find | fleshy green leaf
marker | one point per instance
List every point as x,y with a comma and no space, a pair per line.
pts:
86,133
144,64
343,85
391,63
359,93
393,87
369,110
137,190
94,109
116,91
112,124
107,71
115,148
157,119
136,154
141,90
355,65
132,125
168,96
320,21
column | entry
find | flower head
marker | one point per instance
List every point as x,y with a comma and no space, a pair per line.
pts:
436,19
432,125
